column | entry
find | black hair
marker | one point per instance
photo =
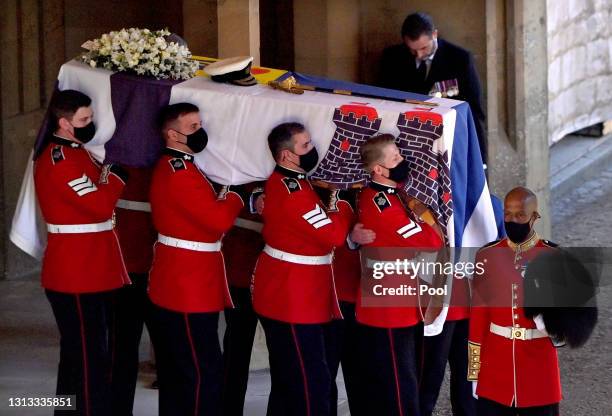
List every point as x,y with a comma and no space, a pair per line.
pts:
65,103
417,24
172,112
280,137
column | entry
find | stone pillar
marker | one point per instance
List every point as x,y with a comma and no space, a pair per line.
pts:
517,102
31,51
580,65
326,36
89,19
238,28
200,27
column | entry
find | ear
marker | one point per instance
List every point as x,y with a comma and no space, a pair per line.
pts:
377,169
64,124
171,134
286,155
434,34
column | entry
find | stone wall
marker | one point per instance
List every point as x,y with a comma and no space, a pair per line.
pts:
31,51
580,64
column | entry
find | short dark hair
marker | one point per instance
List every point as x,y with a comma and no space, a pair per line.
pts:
171,113
280,138
65,103
417,24
371,150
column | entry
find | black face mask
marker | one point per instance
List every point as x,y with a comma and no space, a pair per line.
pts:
517,232
85,134
197,140
309,160
399,173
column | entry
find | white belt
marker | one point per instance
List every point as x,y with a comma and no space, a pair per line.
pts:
297,258
134,205
524,334
188,245
80,228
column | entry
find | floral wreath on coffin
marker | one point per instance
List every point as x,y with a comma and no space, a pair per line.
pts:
142,52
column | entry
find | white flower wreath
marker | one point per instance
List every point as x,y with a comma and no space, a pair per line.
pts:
140,51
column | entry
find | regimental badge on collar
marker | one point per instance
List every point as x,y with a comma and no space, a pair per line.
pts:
57,154
177,164
381,201
292,184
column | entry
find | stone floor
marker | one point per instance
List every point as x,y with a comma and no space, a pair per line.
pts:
29,354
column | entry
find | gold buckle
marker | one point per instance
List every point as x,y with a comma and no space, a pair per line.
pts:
518,333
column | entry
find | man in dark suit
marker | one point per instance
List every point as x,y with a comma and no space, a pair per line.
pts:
426,64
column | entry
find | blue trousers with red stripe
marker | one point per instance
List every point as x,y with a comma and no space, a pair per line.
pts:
450,345
189,362
84,369
390,358
299,369
237,345
132,310
342,349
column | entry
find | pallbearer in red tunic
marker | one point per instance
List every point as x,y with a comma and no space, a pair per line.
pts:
293,285
132,307
512,361
241,248
82,266
389,334
342,333
187,281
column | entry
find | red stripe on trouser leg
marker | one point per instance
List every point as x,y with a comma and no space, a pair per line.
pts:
113,336
305,379
84,352
397,386
195,363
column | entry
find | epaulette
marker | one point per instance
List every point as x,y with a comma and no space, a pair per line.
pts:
177,164
490,244
57,154
381,201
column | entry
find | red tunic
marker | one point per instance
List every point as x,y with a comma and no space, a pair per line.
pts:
381,210
520,372
185,206
70,191
291,292
460,301
134,224
347,271
243,244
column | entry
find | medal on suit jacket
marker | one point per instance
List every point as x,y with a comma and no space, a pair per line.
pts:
445,89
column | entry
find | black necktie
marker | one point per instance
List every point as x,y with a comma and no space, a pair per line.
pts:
422,71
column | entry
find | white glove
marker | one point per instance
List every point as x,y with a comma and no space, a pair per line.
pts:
474,385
